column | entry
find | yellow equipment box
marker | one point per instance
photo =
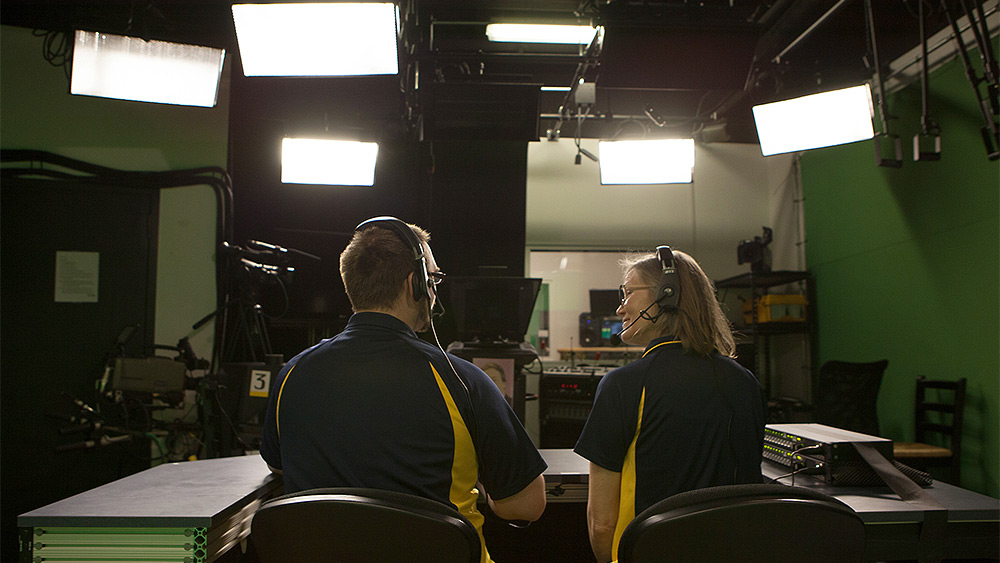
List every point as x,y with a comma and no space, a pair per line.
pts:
780,308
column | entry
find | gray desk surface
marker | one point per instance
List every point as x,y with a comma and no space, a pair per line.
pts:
881,504
199,493
873,504
565,466
187,494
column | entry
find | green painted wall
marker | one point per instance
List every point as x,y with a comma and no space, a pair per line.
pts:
38,112
907,263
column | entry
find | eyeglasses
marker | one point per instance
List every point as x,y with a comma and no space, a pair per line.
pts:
624,292
436,277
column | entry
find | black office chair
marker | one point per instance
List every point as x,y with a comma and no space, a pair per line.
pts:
745,523
361,526
845,397
941,415
847,393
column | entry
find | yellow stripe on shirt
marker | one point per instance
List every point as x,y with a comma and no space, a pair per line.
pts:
277,404
626,498
464,469
658,345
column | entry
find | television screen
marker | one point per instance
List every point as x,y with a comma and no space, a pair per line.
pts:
604,302
490,309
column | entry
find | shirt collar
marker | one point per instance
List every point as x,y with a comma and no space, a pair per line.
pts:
381,320
661,342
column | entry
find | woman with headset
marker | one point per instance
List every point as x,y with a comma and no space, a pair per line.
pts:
684,416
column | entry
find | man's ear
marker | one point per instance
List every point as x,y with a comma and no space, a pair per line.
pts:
408,288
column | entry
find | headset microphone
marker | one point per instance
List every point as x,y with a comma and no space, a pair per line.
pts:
667,294
616,338
437,310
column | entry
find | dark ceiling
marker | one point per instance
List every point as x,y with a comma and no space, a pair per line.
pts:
673,65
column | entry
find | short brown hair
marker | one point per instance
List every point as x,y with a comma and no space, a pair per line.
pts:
375,263
698,322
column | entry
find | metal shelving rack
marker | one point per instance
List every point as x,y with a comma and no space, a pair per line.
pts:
759,283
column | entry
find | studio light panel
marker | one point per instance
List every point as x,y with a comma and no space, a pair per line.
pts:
317,39
540,33
819,120
656,161
328,162
130,68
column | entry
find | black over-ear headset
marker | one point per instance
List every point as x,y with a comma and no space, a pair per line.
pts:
668,294
421,279
421,288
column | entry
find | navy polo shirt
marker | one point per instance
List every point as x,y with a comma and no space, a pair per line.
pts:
377,407
672,422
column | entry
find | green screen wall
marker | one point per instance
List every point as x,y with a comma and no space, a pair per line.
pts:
907,263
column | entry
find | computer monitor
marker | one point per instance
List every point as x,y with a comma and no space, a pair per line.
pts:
609,326
490,309
604,302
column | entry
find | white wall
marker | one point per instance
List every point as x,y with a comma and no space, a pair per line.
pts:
571,275
571,215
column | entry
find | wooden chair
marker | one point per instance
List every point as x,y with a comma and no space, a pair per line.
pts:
947,422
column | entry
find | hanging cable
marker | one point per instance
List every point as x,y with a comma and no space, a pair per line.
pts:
41,164
927,143
57,49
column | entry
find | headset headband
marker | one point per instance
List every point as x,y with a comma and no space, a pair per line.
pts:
402,229
421,279
668,293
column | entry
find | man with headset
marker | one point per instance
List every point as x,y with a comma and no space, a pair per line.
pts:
684,416
377,407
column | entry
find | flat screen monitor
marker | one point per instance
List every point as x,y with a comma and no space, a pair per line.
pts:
604,302
491,309
609,326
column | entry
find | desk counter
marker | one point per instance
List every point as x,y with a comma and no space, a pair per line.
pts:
199,509
193,511
894,525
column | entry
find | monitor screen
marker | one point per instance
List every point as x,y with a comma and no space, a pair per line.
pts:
490,309
609,326
604,302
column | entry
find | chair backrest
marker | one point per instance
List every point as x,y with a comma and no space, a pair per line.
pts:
746,523
847,394
361,526
948,421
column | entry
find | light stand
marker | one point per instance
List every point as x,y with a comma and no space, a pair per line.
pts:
885,142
